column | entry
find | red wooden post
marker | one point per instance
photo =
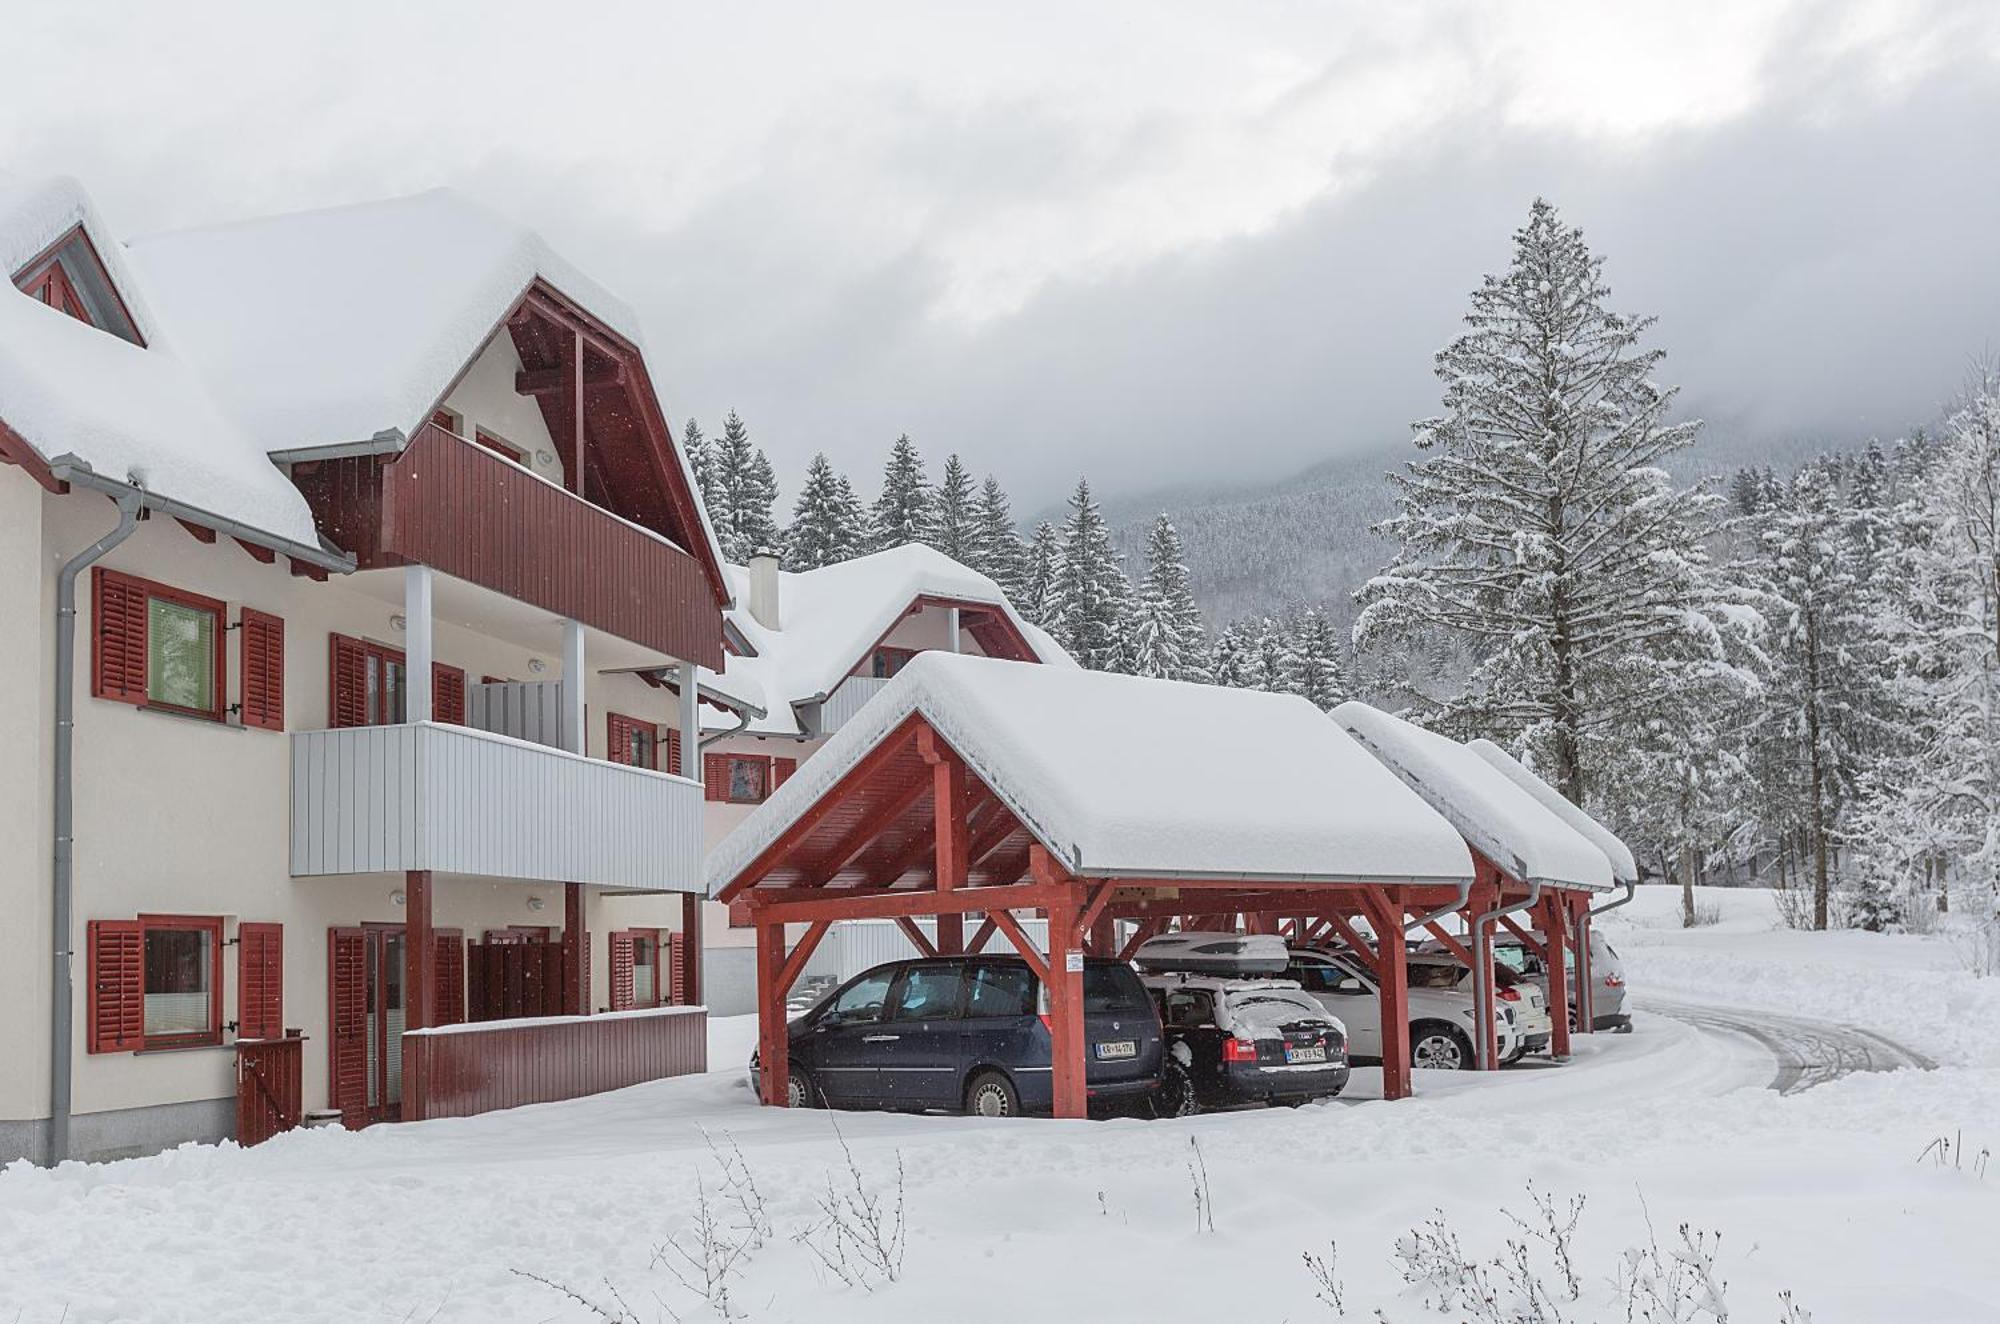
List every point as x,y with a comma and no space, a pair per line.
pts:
1385,916
419,952
774,1062
576,992
949,817
1555,919
691,946
1065,985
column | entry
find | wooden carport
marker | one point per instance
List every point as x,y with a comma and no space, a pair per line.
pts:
977,787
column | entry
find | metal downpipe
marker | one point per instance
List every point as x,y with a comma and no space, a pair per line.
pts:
1482,969
1458,904
62,975
1631,890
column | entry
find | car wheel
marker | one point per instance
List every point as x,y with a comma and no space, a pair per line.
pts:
1175,1097
992,1095
799,1090
1439,1047
1572,1021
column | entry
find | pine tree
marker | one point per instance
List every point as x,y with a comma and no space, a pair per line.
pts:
1168,640
700,454
906,510
823,522
745,488
1044,556
854,515
1090,601
956,527
1003,557
1273,657
1543,533
1316,670
1230,663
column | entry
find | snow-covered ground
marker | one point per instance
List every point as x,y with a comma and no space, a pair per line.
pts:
1820,1192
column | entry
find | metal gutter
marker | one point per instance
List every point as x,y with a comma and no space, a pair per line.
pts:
78,473
62,1021
1421,921
742,725
1482,971
1631,890
389,441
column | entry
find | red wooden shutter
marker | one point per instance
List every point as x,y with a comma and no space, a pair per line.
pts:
618,738
623,956
781,769
117,637
715,776
260,981
450,979
347,683
670,750
263,666
447,694
347,1038
676,969
117,1011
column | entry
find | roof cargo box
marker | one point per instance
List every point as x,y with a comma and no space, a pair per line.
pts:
1214,953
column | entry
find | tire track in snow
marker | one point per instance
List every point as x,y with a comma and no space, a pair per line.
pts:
1807,1052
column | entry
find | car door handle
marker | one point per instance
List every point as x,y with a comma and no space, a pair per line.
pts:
880,1038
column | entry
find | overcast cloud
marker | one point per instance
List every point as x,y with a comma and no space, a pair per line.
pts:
1163,244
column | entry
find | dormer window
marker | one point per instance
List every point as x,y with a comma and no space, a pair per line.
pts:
69,277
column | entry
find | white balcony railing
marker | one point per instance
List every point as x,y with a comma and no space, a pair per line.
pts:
384,799
846,700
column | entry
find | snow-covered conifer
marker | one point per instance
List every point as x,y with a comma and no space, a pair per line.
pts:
906,509
1090,601
1003,557
823,526
1316,669
955,521
1167,636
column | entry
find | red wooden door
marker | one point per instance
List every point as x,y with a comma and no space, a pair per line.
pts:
347,1025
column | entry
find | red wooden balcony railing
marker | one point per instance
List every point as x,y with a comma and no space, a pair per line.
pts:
461,1070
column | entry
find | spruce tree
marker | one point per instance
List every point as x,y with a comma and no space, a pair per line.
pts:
1316,670
854,515
1003,557
1044,556
822,530
1167,637
956,528
1543,533
1090,600
906,510
745,489
1273,657
700,454
1230,663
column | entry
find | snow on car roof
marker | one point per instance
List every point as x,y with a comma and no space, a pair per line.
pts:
1498,817
1132,777
831,616
1623,867
130,412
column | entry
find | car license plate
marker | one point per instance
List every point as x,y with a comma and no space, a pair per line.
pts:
1317,1053
1121,1048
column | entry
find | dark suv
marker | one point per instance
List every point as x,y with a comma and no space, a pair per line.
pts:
967,1032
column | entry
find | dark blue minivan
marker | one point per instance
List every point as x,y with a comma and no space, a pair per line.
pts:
967,1033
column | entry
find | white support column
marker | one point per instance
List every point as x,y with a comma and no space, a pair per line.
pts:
690,723
417,651
951,628
573,687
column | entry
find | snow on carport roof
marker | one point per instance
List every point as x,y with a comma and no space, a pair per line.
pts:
1499,818
1120,776
1624,868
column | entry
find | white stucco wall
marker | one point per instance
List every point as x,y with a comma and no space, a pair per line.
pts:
182,816
485,398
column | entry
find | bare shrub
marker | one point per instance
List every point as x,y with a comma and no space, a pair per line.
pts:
1677,1285
1331,1291
860,1234
618,1313
1557,1232
1978,947
1204,1202
1793,897
1706,914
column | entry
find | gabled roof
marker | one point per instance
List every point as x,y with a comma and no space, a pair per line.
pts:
831,617
1624,868
1496,816
127,411
1120,776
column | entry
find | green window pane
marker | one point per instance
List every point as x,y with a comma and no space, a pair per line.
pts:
180,655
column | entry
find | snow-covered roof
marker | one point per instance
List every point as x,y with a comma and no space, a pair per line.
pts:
832,616
1624,868
129,412
326,327
1500,819
1121,776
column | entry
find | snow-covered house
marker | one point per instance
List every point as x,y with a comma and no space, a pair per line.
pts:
807,651
341,556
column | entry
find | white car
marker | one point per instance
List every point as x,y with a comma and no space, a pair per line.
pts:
1523,997
1441,1018
1606,969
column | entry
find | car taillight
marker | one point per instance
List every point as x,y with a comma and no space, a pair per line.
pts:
1614,981
1510,995
1048,1023
1239,1050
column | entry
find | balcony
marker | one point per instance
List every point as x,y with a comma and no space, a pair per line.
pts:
386,799
847,700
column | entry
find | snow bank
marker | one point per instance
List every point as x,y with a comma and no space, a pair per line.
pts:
1503,821
1119,775
832,616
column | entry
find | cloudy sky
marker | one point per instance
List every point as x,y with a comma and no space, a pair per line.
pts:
1164,244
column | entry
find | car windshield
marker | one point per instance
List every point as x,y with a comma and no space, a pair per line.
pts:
1435,974
1113,990
1268,1009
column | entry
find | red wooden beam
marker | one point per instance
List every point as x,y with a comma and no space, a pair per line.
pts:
914,901
862,834
1099,896
307,570
1064,982
549,381
1148,928
795,964
1392,979
1451,944
263,554
980,936
948,796
200,532
916,935
1006,923
1528,940
14,449
1552,960
774,1055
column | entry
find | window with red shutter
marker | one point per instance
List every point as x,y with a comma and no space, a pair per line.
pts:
347,672
715,776
623,951
262,686
447,694
677,969
670,760
781,769
449,977
260,981
156,646
117,1010
117,637
366,686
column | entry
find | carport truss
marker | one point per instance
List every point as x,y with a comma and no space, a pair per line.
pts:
910,831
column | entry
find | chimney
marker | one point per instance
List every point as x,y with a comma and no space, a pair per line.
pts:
764,589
